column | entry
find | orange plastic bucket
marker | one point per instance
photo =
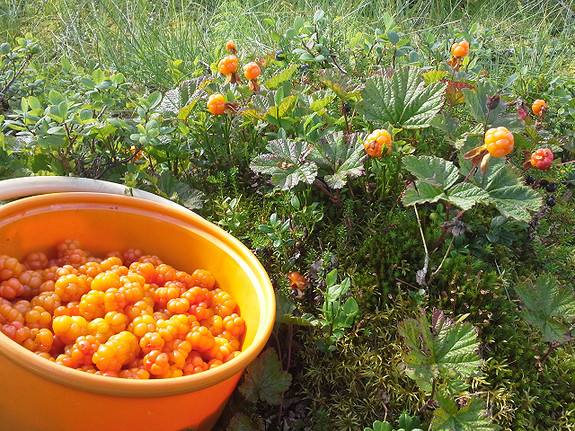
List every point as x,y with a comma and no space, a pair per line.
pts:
39,395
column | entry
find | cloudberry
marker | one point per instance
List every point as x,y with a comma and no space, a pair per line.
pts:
375,142
38,317
538,107
223,303
11,288
92,305
36,260
216,104
251,70
120,349
201,338
228,64
460,49
157,363
9,267
16,331
68,328
204,278
499,141
71,287
542,158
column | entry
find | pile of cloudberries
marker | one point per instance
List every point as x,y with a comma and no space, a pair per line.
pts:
125,315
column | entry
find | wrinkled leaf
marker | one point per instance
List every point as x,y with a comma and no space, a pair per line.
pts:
422,193
404,101
506,191
466,195
443,348
434,76
285,163
469,418
340,84
340,156
435,171
265,380
547,306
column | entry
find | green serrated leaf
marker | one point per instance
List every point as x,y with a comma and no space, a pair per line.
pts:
506,190
185,112
432,170
340,84
404,101
265,380
434,76
447,123
281,110
340,156
440,349
422,193
472,417
285,163
516,201
466,195
476,101
318,105
547,306
276,80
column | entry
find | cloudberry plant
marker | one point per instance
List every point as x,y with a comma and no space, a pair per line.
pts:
542,158
375,142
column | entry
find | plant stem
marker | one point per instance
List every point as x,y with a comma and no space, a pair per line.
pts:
422,273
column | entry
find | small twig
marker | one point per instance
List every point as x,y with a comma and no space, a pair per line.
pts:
18,72
422,273
443,260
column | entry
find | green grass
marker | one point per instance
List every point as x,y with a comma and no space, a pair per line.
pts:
139,37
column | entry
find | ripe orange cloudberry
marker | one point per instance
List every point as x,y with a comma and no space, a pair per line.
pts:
460,49
228,64
538,107
375,142
251,72
216,104
68,328
499,141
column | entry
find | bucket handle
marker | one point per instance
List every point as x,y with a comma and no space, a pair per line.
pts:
29,186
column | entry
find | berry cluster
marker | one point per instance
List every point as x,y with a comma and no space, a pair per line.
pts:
228,66
127,315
